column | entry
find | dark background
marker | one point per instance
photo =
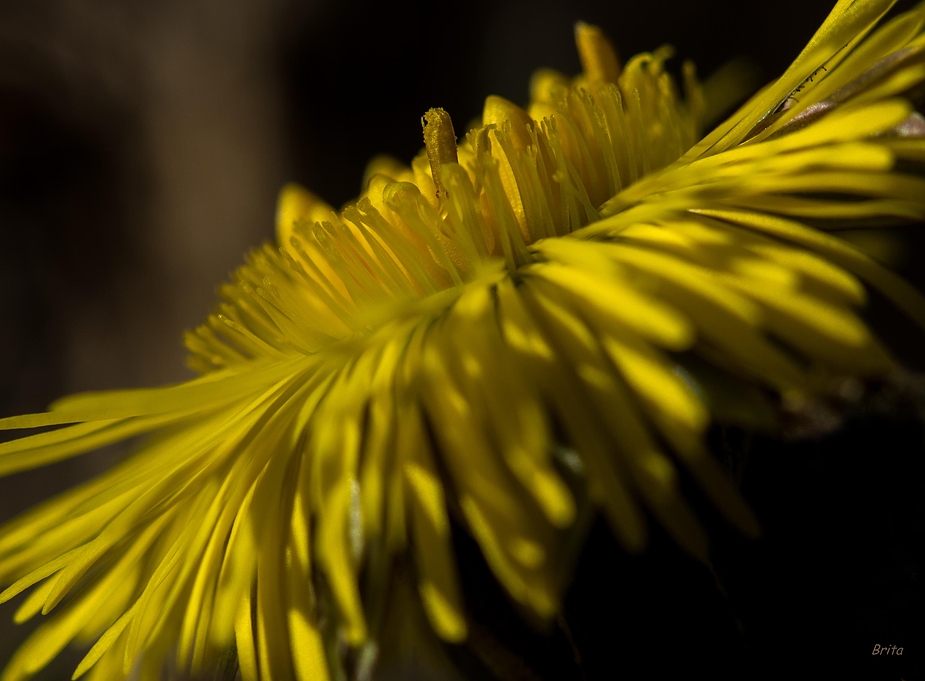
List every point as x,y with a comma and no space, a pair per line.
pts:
142,145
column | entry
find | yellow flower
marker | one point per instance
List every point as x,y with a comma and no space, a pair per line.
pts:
509,311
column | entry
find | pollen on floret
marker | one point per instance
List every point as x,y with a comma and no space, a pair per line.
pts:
440,144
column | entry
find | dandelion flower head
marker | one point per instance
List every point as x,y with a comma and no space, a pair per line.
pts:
486,341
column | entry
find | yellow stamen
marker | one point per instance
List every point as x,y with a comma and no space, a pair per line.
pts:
498,110
388,167
440,142
295,205
599,59
548,86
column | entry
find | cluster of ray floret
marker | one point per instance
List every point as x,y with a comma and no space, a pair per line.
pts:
520,329
522,176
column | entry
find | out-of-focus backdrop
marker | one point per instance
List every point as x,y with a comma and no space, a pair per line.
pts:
142,145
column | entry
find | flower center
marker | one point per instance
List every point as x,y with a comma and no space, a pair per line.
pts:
459,209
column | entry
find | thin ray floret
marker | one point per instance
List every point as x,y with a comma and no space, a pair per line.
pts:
499,338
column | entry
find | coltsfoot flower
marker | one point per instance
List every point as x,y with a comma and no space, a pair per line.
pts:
515,308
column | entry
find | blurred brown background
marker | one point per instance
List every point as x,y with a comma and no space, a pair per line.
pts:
142,145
